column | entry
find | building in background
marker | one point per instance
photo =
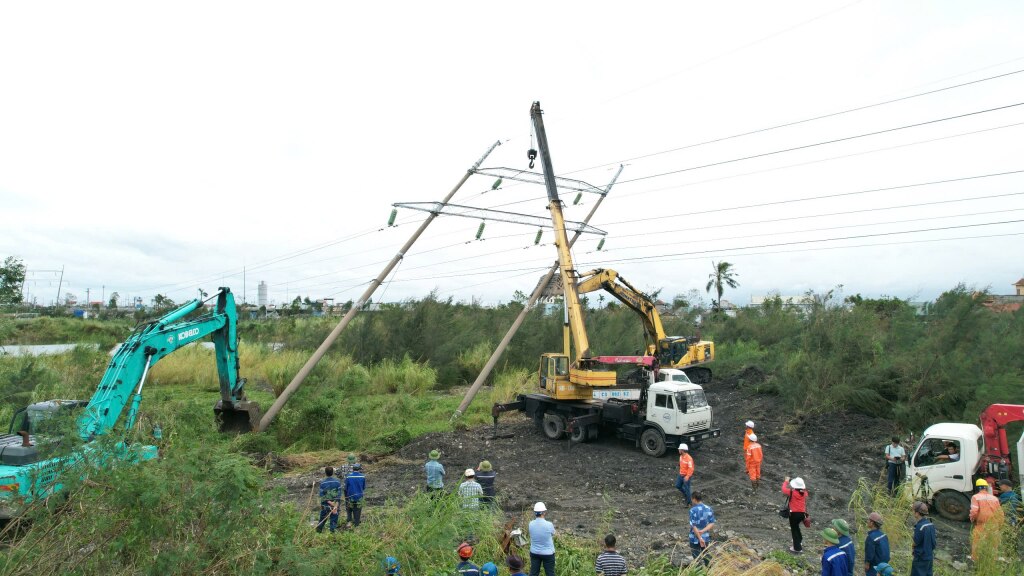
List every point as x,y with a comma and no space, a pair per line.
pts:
261,294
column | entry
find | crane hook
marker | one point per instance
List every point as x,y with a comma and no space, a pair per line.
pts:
531,155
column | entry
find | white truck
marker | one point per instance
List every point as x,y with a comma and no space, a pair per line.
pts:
950,457
656,415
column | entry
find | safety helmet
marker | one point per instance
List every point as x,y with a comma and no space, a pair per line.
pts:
391,565
352,458
841,526
750,423
753,437
470,473
683,447
980,483
830,535
798,483
465,551
434,454
540,507
489,569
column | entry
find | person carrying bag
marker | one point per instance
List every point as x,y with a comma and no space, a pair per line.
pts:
796,510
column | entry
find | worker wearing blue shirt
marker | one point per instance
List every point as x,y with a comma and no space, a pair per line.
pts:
702,522
330,500
876,545
846,543
924,542
834,561
355,485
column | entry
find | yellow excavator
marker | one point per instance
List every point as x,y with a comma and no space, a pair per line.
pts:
688,354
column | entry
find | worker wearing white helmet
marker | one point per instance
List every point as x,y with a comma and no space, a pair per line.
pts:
753,457
470,490
685,473
746,435
796,505
542,542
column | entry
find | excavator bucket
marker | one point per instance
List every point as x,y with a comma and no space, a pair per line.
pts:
241,417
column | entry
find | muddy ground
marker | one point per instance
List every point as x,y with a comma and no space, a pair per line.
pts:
581,483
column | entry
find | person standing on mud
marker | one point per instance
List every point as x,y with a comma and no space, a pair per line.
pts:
894,456
834,561
485,477
330,500
987,517
470,491
542,542
355,486
845,543
685,473
702,521
796,491
746,435
435,473
753,456
923,548
610,562
876,545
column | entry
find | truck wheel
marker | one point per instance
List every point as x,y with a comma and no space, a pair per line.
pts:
579,433
554,426
953,505
652,443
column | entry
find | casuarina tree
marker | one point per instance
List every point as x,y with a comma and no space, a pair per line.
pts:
722,276
12,276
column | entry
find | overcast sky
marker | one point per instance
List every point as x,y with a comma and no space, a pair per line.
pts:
160,148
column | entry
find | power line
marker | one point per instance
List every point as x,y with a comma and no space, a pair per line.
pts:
809,162
797,122
797,242
828,214
820,197
824,229
805,146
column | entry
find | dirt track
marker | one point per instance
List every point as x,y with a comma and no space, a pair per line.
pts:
580,483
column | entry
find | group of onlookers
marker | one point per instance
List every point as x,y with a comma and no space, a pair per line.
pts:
838,557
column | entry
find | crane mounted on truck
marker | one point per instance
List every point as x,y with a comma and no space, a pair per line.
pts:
30,465
619,394
981,453
688,354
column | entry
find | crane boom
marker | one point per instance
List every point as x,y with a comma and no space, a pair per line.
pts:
565,265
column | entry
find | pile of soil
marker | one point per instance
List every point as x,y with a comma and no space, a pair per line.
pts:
586,486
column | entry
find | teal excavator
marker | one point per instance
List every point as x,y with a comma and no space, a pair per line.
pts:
31,459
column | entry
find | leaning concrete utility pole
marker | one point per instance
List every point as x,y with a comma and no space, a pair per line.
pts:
493,360
315,358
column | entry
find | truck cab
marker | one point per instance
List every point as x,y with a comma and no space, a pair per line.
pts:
678,409
943,465
673,375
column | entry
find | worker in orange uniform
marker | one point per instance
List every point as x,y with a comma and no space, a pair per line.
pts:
753,457
746,435
685,473
987,517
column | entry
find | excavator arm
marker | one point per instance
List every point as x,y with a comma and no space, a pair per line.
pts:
153,341
617,286
993,425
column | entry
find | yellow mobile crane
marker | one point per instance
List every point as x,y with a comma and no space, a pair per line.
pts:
685,353
585,396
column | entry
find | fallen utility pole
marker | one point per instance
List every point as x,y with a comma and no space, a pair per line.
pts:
493,360
315,358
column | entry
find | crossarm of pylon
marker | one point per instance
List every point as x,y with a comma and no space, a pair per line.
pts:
495,216
538,178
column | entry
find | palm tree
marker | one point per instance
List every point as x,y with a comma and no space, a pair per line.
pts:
721,277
